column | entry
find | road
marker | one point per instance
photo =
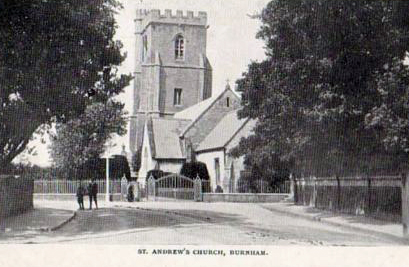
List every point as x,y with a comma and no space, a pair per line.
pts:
190,223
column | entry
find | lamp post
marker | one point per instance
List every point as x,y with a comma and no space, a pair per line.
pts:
107,157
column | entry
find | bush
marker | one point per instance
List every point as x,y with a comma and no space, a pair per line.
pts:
136,161
193,169
119,167
156,174
96,168
219,189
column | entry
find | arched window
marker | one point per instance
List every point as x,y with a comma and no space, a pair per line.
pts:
179,47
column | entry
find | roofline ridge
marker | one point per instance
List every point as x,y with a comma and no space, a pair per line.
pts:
204,111
171,119
237,131
188,108
230,139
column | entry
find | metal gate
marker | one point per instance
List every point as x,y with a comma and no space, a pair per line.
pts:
174,187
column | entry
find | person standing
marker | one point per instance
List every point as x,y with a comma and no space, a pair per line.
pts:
92,193
80,196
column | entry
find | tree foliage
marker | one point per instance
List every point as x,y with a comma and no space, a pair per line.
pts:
56,57
93,169
96,169
79,141
332,95
195,169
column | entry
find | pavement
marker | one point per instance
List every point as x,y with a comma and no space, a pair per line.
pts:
361,223
40,219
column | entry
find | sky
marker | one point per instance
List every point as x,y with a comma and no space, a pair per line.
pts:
231,46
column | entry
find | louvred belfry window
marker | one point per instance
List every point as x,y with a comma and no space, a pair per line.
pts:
177,97
179,47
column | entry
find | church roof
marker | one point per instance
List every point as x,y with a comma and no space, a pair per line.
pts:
192,112
223,133
195,112
164,136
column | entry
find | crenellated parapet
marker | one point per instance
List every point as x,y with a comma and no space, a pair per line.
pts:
157,16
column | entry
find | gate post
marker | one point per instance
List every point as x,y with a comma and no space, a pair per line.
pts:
198,189
124,187
405,204
151,187
292,185
137,192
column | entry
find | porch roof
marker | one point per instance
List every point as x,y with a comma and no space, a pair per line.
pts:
166,143
223,133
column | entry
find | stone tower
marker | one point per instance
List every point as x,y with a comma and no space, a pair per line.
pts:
172,71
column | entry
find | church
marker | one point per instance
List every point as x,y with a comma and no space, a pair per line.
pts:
176,118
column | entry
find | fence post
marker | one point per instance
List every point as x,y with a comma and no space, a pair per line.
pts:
198,189
405,203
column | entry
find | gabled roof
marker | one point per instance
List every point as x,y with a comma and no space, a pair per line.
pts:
223,133
195,112
164,137
192,112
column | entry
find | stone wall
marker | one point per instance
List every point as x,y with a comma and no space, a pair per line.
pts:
16,195
72,197
243,197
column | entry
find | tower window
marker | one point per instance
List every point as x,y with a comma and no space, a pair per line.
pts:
179,47
177,97
227,101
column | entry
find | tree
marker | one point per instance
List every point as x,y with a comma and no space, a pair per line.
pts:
56,57
319,97
81,140
194,169
96,169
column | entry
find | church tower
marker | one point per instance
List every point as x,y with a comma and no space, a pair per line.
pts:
172,71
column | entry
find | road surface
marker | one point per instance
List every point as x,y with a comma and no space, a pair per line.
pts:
190,223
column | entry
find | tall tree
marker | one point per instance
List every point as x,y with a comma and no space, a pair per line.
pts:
56,57
320,92
82,140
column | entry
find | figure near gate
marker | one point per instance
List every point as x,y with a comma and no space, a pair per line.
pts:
92,193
